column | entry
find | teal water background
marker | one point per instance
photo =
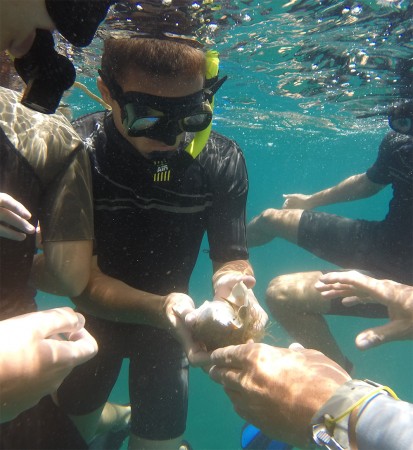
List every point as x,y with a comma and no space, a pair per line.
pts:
287,149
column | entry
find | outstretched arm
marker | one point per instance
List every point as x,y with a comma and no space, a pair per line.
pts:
353,188
283,391
359,288
111,299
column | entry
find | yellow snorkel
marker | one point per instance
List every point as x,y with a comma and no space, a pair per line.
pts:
195,147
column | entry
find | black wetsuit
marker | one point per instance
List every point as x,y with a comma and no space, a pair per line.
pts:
150,218
383,248
44,166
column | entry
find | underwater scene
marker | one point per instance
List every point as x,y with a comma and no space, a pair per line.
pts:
302,77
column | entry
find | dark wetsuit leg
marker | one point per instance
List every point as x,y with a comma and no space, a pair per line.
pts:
355,244
158,385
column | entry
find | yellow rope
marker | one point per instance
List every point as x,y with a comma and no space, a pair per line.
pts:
91,94
333,421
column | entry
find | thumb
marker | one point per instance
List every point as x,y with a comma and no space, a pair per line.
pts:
392,331
352,301
182,309
249,281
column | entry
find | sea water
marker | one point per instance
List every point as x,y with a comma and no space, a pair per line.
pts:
284,159
289,147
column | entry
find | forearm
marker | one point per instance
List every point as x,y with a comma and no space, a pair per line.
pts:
112,299
353,188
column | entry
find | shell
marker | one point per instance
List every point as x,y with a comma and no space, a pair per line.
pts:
225,322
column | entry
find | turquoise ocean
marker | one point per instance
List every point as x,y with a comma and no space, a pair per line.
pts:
297,136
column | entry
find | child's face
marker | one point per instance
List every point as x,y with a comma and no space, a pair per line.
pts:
161,87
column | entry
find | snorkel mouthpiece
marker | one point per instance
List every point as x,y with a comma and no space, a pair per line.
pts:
46,73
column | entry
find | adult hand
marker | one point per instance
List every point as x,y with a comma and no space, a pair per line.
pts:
359,288
177,306
37,351
277,389
297,201
14,214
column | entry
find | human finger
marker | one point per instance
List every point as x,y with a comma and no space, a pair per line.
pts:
392,331
229,378
55,321
351,280
325,285
13,235
354,300
79,348
249,281
182,309
11,219
296,347
20,227
7,202
198,357
227,357
335,293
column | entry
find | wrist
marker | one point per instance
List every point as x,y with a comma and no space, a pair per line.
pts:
334,423
232,269
313,201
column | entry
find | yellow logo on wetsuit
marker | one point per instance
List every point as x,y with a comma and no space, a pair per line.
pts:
161,171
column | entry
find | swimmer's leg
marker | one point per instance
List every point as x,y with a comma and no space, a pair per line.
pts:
272,223
299,308
110,417
114,417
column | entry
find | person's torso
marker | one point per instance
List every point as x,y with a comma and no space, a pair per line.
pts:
150,216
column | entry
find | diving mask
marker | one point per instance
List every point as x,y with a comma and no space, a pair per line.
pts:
163,118
401,118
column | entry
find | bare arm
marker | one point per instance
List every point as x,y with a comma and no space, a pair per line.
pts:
111,299
63,268
353,188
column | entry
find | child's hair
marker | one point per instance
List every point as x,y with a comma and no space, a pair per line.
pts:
156,57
